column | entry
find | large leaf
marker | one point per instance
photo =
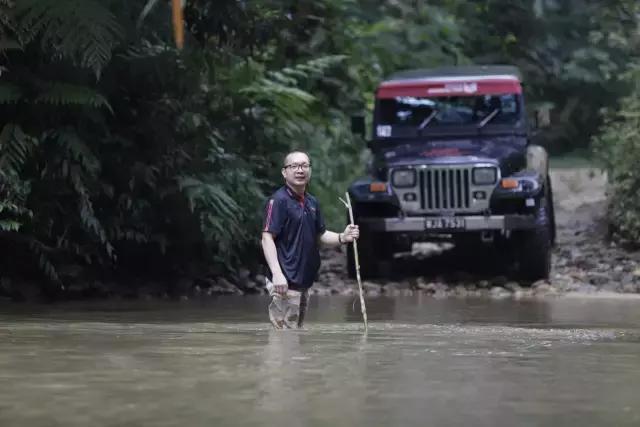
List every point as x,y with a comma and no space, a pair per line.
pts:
68,94
84,31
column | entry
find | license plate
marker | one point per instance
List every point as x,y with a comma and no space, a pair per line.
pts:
452,223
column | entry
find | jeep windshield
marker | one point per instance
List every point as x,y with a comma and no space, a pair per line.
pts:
423,113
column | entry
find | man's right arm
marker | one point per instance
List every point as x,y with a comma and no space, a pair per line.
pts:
271,255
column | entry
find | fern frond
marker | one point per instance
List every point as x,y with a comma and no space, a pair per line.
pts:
217,210
12,208
146,50
287,101
68,94
44,263
77,150
146,10
15,146
281,91
87,214
307,70
9,93
84,31
9,225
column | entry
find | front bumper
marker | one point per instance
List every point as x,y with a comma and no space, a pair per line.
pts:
450,224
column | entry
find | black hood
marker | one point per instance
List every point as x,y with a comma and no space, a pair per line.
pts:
507,152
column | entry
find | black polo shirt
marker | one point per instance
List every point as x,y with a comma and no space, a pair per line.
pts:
296,223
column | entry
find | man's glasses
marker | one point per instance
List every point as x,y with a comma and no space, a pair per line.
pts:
296,166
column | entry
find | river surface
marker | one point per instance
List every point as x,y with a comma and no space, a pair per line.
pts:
424,362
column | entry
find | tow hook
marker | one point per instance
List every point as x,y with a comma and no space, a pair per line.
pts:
486,236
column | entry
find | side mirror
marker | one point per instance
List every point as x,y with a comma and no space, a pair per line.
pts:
358,126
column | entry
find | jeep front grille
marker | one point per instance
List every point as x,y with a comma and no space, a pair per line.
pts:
445,189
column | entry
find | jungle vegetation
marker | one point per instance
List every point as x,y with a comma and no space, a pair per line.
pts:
124,158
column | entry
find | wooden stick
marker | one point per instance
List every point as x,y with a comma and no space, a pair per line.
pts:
363,307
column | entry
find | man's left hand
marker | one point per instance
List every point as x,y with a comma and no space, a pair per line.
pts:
351,233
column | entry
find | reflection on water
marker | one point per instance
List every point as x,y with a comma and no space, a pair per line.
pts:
424,362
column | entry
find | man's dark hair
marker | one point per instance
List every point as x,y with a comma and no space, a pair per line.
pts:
284,160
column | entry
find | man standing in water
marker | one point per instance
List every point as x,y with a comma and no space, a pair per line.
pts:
292,232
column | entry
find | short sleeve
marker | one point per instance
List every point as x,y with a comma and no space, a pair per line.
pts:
320,227
275,215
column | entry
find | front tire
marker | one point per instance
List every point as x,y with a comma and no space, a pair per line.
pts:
534,246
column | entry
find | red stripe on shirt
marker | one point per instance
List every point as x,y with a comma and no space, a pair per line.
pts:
268,221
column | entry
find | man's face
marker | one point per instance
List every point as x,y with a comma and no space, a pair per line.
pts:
297,170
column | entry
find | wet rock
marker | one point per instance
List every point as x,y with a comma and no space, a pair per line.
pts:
439,294
227,287
540,283
586,264
431,288
461,291
260,280
611,287
499,292
587,288
394,292
244,273
348,291
483,284
320,291
519,294
512,286
545,289
598,279
252,287
418,283
499,281
389,288
627,279
370,288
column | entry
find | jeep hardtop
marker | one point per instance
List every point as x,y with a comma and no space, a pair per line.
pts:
452,159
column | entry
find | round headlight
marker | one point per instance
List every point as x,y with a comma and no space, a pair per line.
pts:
403,178
484,176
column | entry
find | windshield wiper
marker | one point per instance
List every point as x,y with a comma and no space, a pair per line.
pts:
426,121
488,118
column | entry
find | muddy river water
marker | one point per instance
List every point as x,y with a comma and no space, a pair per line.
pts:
424,362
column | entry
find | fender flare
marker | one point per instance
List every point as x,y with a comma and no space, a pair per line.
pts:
538,160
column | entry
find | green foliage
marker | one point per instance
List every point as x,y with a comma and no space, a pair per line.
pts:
125,155
62,94
84,31
15,147
618,148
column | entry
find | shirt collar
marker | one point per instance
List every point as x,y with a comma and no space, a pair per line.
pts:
295,195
